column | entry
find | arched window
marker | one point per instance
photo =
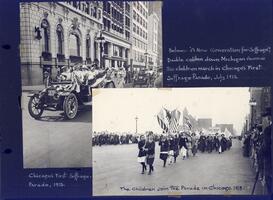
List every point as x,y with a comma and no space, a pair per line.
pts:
74,45
88,45
60,39
46,31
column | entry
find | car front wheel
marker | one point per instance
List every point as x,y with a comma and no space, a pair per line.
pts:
35,107
70,106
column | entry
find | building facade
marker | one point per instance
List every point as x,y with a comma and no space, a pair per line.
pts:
56,34
117,33
205,123
139,33
260,100
157,9
153,22
223,127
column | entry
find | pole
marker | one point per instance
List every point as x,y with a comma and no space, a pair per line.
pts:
136,123
101,54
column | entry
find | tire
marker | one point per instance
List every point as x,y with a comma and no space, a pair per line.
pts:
110,85
70,106
35,108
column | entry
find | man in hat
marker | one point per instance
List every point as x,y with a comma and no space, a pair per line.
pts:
266,150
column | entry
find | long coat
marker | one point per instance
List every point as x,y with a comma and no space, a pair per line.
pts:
202,143
183,142
141,151
266,151
164,148
150,146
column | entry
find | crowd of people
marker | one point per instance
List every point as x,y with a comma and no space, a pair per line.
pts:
172,145
257,146
105,138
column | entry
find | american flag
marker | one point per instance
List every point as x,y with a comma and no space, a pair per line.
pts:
174,125
163,119
187,122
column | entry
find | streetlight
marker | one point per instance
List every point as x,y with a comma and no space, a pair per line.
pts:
136,118
146,55
100,40
252,103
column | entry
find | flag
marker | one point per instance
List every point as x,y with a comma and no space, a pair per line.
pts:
163,119
168,115
174,125
187,122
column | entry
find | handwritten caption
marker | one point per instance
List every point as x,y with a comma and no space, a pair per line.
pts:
215,64
55,180
180,188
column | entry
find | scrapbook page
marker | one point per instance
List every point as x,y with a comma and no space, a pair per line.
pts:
136,99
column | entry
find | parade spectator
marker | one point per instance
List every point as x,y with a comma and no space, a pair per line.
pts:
246,145
266,150
142,153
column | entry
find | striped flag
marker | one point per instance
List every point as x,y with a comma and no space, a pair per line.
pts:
187,122
175,116
168,115
163,119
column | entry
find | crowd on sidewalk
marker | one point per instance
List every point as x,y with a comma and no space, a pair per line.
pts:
257,146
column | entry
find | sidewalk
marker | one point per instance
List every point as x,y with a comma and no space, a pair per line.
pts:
32,88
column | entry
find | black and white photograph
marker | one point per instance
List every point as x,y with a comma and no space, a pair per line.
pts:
182,141
68,48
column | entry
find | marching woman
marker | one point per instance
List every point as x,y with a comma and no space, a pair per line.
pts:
183,145
164,149
194,142
171,151
202,142
150,150
176,147
142,153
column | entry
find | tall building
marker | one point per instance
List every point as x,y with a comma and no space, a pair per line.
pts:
156,7
140,33
223,127
153,22
260,100
116,33
205,123
55,34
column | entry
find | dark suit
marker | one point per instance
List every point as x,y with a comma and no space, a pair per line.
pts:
266,152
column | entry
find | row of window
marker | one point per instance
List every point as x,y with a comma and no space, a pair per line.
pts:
140,44
74,41
107,24
117,15
141,9
139,56
117,50
90,8
139,31
139,19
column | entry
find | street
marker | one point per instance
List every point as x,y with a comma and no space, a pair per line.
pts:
116,172
53,142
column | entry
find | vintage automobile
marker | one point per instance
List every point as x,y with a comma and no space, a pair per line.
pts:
71,89
140,78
